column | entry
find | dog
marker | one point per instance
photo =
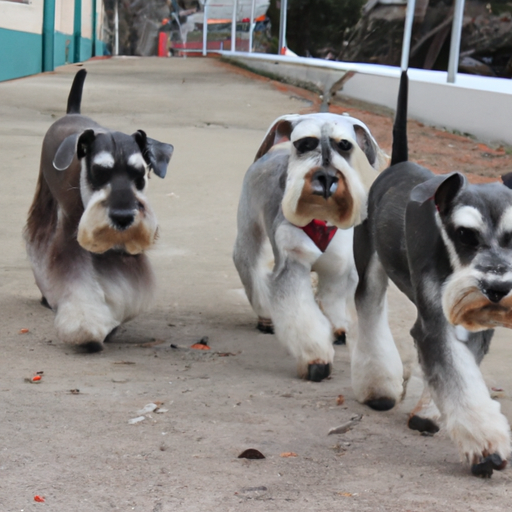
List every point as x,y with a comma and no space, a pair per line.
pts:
90,223
311,176
447,245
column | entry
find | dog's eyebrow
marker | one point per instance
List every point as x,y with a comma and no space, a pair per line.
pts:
468,217
505,225
136,160
104,159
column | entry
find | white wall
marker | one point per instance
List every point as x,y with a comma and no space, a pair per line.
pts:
64,16
23,17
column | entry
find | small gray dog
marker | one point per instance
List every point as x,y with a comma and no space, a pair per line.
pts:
90,223
310,177
447,245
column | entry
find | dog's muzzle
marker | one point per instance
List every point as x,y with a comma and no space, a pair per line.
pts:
496,291
324,184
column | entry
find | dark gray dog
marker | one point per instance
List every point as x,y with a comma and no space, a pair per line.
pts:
90,223
447,245
311,176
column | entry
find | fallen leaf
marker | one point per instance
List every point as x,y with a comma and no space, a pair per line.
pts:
39,499
74,391
35,379
23,331
136,420
200,346
340,400
346,494
345,427
148,408
288,454
252,454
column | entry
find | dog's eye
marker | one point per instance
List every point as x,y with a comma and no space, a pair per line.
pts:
506,240
467,237
100,175
344,145
306,144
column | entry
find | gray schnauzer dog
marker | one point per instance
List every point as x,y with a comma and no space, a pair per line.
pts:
310,177
447,245
90,223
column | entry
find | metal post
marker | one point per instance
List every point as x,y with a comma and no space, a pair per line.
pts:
282,25
453,62
406,43
116,28
251,26
94,29
77,31
205,28
233,26
48,35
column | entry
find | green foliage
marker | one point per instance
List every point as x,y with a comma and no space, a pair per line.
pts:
316,24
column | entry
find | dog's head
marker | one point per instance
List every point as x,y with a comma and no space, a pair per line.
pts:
333,160
114,171
475,222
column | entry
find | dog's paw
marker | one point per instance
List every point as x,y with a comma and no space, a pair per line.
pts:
340,337
315,371
485,468
422,424
480,433
381,403
425,417
90,347
318,371
265,325
376,386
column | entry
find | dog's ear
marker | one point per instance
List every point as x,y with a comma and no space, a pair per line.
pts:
280,131
78,143
442,189
507,179
156,154
366,142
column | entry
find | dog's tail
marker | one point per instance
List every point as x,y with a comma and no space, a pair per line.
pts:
399,152
75,94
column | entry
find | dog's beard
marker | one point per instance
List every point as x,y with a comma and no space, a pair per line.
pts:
466,305
345,208
97,234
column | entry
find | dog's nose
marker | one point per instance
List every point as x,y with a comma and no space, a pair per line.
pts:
496,292
121,218
324,184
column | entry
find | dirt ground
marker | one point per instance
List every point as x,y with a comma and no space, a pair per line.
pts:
78,450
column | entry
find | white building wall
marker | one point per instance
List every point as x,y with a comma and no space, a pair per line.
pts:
22,17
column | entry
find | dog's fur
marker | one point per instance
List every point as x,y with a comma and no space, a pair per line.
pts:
447,245
315,166
90,223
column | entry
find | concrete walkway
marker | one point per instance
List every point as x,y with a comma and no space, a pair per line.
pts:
78,450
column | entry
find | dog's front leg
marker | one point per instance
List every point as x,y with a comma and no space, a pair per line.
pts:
337,282
376,366
473,420
82,315
298,321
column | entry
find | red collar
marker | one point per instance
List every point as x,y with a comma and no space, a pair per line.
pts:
320,233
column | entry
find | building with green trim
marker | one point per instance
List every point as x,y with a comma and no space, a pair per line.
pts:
38,35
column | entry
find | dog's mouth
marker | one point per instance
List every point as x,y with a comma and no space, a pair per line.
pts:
476,310
325,196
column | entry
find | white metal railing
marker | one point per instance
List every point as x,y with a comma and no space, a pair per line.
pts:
406,44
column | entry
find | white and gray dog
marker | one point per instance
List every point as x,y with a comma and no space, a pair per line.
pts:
447,245
310,177
90,223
